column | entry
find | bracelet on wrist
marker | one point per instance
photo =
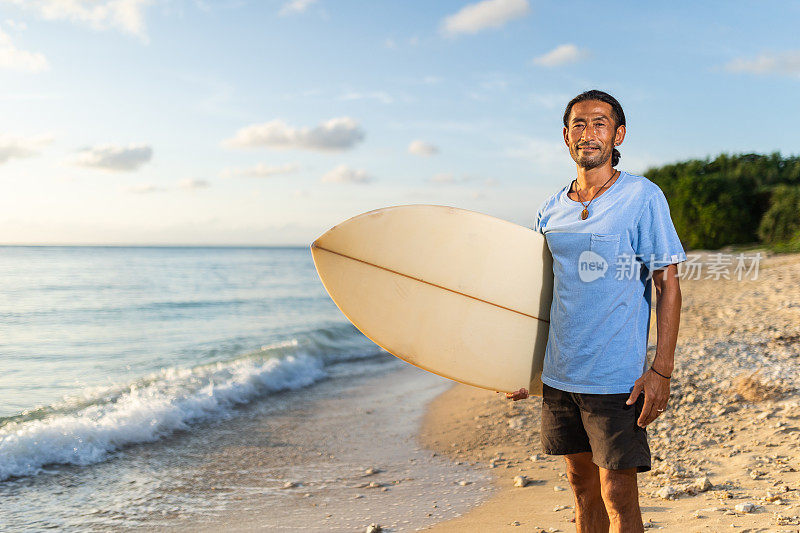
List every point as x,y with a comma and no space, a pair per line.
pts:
660,374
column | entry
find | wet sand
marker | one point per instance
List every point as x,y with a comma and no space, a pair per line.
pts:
726,452
344,458
335,456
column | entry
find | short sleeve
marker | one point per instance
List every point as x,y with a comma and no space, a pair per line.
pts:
537,224
658,244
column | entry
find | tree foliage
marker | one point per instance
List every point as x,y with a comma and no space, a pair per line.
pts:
781,223
723,201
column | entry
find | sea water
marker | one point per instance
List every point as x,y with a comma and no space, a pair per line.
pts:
104,348
101,347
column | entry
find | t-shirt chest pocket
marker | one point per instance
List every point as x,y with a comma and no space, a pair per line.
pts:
605,244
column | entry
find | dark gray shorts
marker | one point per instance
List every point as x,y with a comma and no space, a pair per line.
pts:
603,424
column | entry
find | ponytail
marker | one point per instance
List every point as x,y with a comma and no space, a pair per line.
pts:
615,155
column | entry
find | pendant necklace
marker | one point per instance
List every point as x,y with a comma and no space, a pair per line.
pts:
585,212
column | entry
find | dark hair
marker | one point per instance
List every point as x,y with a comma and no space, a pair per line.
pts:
616,113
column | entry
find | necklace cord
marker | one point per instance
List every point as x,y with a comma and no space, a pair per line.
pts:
586,206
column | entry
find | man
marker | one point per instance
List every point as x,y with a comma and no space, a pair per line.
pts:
609,232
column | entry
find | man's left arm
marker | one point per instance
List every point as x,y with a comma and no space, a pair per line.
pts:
668,314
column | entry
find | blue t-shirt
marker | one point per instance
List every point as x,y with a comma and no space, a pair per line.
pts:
600,315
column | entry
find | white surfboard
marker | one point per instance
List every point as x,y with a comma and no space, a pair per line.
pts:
455,292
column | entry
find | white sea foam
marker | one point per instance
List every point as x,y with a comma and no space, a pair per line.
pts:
164,403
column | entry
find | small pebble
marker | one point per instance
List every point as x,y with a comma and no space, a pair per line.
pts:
667,493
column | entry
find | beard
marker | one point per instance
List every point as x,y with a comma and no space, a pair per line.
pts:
592,159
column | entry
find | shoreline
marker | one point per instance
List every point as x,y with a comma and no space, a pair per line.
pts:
336,456
726,453
355,461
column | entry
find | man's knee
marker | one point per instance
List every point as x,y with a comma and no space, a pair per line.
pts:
619,490
582,473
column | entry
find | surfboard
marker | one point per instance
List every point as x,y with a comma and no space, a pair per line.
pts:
455,292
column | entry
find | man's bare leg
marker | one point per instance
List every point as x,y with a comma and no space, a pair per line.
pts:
621,497
590,511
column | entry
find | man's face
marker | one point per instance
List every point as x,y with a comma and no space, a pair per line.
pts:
590,133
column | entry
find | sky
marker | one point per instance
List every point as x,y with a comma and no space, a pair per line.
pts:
266,122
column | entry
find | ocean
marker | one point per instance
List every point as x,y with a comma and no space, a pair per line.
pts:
123,366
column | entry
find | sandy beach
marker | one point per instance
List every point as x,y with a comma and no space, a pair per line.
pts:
342,460
725,452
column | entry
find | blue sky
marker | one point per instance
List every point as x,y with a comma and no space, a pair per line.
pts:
268,122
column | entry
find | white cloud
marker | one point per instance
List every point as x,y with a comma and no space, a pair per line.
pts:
561,55
144,188
422,148
192,185
345,174
114,158
336,134
261,170
11,146
296,6
482,15
12,58
124,15
786,63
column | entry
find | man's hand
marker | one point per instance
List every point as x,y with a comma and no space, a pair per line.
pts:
656,394
521,394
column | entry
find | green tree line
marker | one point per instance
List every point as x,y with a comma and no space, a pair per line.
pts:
734,199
